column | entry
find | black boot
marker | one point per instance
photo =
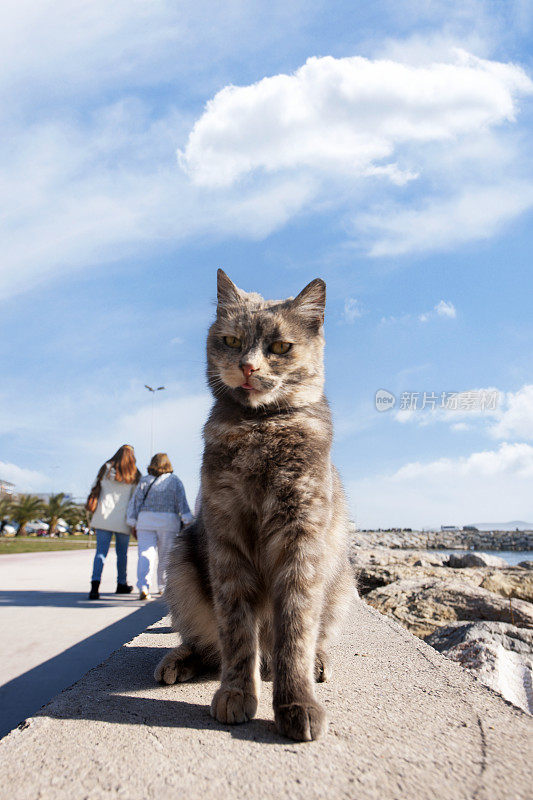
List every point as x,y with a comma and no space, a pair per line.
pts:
123,588
94,593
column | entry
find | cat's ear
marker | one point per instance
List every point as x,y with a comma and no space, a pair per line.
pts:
227,293
311,301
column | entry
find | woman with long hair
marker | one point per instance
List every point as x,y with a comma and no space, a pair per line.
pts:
157,510
108,502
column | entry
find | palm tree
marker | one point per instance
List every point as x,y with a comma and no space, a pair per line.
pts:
75,514
5,510
55,509
26,508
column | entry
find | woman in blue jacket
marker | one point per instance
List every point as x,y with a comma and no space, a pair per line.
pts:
156,510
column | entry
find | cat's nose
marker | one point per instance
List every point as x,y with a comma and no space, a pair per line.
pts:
248,369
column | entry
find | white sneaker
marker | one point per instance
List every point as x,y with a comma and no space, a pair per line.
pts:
145,595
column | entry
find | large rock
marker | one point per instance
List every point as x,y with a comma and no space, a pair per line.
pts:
509,582
526,564
459,561
499,654
370,577
426,604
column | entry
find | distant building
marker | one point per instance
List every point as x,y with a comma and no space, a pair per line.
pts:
449,528
6,487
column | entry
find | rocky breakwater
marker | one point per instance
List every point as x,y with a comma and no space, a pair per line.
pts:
472,607
445,540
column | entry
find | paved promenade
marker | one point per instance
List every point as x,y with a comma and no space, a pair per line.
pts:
51,633
405,724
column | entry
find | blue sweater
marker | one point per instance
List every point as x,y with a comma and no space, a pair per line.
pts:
166,495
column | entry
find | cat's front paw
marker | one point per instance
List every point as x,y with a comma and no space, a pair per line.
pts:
232,706
301,721
176,666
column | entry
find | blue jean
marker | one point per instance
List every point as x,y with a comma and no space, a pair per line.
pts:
103,540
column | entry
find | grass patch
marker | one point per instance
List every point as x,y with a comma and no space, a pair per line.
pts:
31,544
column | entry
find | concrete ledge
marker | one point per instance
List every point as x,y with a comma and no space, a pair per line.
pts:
404,723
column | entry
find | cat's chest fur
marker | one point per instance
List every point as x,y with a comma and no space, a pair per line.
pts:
264,455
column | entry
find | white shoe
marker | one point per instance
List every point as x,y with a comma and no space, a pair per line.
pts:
145,595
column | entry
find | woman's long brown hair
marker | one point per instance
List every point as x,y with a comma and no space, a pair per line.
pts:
125,472
125,466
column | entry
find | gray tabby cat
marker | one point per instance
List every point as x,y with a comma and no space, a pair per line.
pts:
262,577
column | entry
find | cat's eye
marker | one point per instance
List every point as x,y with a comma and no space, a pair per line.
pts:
280,348
232,341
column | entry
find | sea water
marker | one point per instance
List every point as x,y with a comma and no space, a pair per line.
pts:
513,557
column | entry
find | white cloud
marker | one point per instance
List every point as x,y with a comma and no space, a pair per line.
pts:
487,485
445,309
347,115
442,309
352,309
25,480
516,420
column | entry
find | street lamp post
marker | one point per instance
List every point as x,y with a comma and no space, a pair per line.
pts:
153,391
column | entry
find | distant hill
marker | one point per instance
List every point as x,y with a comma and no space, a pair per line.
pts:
503,526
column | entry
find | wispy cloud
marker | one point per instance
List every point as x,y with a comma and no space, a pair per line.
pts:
475,212
352,310
112,189
25,480
89,172
442,309
445,309
516,419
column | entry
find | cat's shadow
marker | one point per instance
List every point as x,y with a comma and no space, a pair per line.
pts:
115,701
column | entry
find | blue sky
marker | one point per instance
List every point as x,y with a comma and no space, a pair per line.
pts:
384,147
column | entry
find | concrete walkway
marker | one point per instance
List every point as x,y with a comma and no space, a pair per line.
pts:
51,633
405,724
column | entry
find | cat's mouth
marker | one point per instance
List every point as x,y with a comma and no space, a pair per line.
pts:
256,387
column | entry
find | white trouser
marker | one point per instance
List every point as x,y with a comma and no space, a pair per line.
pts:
155,537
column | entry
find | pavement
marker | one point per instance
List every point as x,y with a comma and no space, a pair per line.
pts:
405,724
51,633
